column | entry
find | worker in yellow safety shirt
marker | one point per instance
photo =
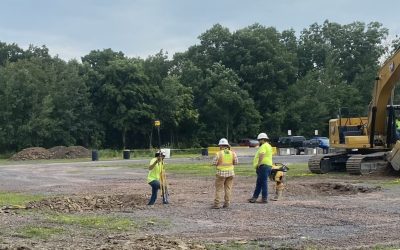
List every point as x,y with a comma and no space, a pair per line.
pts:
278,175
224,160
262,162
398,129
156,168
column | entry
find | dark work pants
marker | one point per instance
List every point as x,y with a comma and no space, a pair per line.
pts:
263,172
155,186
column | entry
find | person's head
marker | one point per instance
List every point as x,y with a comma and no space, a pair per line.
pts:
262,138
159,154
223,143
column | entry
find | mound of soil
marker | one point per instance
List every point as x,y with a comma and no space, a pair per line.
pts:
90,203
116,242
58,152
34,153
329,188
72,152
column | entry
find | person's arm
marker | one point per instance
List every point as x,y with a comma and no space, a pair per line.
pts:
152,165
235,158
215,160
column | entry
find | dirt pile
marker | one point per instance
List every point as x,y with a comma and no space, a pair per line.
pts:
329,189
72,152
34,153
151,242
90,203
115,242
342,188
59,152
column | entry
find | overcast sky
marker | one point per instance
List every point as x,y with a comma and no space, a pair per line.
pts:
72,28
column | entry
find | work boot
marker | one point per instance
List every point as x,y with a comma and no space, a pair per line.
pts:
264,200
215,206
278,195
252,200
226,205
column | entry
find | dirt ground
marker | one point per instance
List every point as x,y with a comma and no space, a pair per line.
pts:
318,212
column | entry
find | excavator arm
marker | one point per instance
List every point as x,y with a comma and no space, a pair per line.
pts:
388,76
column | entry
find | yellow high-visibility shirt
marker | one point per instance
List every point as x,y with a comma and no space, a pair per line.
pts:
155,173
265,149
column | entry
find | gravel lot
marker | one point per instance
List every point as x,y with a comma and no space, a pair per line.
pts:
318,212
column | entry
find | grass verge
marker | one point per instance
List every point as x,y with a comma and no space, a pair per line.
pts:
94,221
17,199
201,169
39,232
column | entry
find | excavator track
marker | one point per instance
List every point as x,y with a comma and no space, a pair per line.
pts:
314,164
322,164
366,164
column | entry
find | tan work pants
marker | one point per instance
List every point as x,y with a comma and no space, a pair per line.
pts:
223,184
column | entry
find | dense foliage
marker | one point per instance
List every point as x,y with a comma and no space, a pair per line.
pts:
231,84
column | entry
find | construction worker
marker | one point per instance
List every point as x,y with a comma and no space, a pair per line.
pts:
397,128
278,175
224,160
262,162
156,167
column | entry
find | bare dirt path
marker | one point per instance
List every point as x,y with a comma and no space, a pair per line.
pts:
330,211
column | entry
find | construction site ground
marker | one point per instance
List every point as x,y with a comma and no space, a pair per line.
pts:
85,206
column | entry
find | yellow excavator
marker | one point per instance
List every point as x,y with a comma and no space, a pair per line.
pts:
364,145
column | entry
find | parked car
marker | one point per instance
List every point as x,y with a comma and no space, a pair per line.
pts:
249,143
295,142
291,141
321,142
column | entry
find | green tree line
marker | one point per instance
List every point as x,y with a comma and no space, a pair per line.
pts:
231,84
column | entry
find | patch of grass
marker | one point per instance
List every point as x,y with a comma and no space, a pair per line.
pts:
110,154
245,170
94,221
299,170
388,183
201,169
3,161
393,182
17,199
197,169
154,221
39,232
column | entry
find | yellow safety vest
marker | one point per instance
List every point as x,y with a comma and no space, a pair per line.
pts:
225,160
155,173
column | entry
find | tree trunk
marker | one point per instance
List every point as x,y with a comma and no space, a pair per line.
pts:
227,126
151,138
123,138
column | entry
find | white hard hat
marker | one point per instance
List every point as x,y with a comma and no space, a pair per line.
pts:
159,153
262,136
223,142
